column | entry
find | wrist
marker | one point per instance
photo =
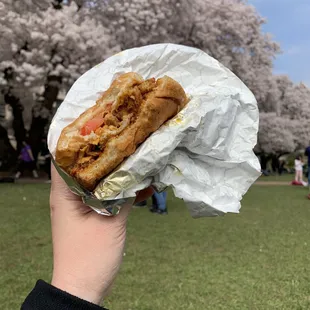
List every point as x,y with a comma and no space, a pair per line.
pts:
77,288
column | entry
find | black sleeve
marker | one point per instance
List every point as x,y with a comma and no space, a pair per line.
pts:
47,297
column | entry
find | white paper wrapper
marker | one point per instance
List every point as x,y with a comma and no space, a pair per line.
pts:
204,153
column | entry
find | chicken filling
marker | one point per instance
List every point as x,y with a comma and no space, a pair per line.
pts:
117,116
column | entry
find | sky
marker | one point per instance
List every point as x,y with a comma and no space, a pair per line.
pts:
289,23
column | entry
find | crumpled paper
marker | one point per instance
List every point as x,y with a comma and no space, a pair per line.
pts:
205,153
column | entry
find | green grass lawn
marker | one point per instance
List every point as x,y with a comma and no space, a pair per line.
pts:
258,259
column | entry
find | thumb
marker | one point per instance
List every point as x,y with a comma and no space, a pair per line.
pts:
59,189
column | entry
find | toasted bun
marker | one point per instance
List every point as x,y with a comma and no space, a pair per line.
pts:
163,102
70,142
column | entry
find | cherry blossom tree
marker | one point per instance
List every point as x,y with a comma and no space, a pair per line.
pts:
48,48
45,45
285,116
296,102
229,30
52,43
275,135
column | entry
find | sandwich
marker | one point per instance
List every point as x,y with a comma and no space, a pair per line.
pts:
125,115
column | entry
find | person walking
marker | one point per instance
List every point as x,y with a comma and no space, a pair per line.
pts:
307,153
141,204
159,203
26,161
298,171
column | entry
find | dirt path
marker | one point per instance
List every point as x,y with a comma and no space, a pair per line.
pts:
264,183
272,183
276,183
31,181
45,180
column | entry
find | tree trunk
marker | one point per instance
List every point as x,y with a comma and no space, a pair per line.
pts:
275,163
8,154
263,161
40,120
41,114
51,91
18,122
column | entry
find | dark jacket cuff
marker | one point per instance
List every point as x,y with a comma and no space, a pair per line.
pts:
47,297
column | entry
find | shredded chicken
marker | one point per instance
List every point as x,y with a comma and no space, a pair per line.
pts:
119,116
111,120
147,86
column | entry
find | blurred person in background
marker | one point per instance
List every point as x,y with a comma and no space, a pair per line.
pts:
141,204
159,203
298,171
307,153
282,164
45,157
26,161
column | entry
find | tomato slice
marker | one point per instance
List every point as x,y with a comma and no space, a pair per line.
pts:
91,125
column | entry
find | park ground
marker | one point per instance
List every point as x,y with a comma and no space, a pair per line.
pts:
258,259
285,178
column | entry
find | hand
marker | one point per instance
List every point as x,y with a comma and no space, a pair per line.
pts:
88,247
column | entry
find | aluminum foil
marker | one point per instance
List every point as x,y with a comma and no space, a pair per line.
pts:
205,153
